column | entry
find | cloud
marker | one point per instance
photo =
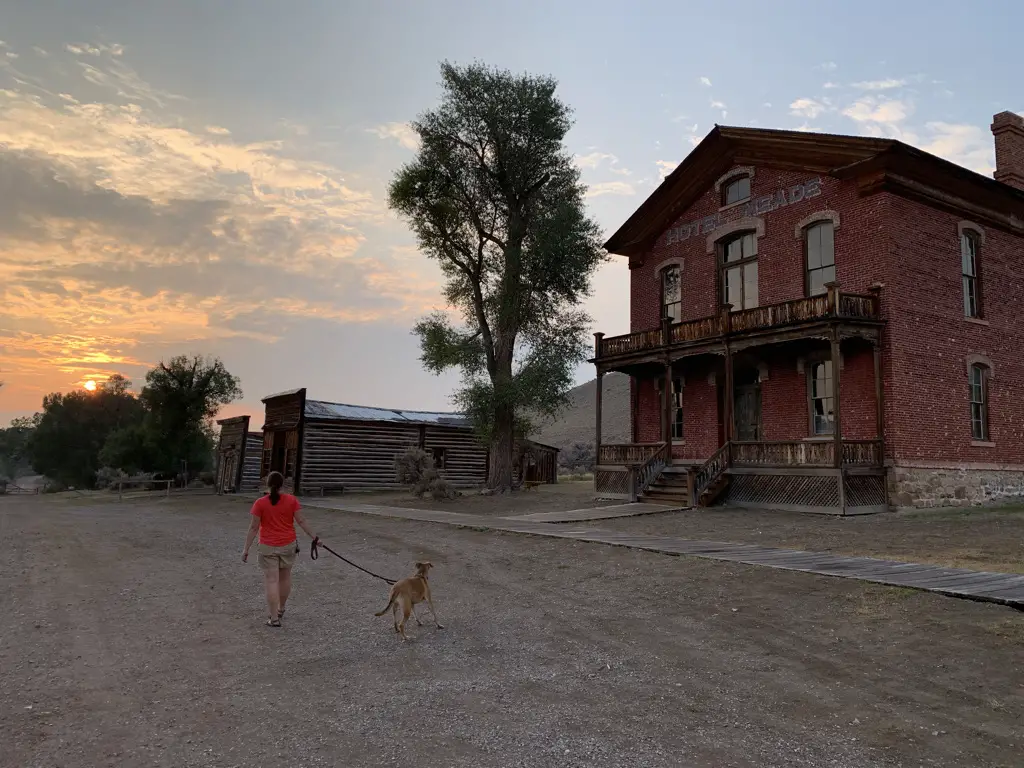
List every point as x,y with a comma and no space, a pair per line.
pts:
610,188
596,160
665,167
869,110
40,51
717,105
400,132
967,145
829,85
11,55
767,105
807,108
133,230
705,82
828,66
879,85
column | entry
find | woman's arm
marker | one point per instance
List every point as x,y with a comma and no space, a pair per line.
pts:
254,528
301,520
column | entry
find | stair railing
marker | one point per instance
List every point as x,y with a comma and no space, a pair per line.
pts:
644,475
708,473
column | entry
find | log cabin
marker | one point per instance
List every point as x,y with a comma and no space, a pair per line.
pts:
238,456
322,447
822,323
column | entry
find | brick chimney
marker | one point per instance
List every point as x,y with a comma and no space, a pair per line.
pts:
1008,129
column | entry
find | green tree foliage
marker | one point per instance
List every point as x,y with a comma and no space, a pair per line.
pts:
495,198
170,421
66,444
14,446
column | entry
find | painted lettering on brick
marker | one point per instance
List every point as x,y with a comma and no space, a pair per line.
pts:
762,205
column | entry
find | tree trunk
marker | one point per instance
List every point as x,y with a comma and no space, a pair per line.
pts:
499,473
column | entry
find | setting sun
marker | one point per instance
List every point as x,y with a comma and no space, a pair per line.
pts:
90,385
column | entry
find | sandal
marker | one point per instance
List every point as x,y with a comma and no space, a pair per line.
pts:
280,614
273,622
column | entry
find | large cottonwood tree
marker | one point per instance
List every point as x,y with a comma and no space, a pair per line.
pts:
495,198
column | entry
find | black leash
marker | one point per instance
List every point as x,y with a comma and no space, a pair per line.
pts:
314,553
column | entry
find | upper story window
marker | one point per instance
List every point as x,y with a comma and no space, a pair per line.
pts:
736,190
820,249
739,271
672,293
820,394
970,253
978,380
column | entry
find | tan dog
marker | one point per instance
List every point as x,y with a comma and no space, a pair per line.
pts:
407,593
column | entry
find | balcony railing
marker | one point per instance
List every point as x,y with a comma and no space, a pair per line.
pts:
803,453
834,305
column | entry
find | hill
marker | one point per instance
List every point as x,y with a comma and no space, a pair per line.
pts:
576,423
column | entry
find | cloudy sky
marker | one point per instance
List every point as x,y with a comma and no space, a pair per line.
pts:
200,176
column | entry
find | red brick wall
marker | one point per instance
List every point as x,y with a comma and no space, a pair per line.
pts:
927,396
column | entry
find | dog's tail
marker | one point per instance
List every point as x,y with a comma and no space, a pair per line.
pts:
391,601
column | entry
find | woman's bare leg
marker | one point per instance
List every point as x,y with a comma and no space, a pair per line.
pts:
272,583
284,587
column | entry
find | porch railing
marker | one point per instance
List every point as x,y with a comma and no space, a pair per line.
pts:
710,471
833,305
649,471
628,454
804,453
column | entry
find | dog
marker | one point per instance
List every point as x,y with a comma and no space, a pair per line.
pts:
405,594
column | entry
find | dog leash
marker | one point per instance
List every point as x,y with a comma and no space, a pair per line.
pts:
314,554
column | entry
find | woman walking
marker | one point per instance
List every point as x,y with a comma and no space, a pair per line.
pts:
274,517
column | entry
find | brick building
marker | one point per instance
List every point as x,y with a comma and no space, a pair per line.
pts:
823,322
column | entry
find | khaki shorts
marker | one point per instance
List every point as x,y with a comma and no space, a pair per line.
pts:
277,557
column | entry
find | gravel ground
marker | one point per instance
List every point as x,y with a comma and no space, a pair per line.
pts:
559,497
135,636
981,539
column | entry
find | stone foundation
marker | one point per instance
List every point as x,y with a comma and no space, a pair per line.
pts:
922,487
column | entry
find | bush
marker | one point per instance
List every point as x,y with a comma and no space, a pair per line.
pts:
207,478
107,478
415,467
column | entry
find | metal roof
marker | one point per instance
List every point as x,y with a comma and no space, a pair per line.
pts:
282,394
318,409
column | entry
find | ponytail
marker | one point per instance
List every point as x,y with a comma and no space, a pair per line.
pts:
274,482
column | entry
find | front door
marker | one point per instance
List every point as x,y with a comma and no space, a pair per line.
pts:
748,412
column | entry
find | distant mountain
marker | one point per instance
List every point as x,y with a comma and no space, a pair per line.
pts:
576,424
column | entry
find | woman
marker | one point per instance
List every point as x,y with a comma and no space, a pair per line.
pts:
274,517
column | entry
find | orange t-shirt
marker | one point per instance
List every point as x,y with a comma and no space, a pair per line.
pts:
277,521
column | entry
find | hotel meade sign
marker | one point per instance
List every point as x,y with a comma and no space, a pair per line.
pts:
756,207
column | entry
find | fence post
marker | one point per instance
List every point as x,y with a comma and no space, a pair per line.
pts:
168,489
120,486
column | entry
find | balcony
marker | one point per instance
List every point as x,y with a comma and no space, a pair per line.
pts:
833,306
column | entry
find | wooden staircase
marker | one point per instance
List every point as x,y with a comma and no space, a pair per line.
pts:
711,479
671,489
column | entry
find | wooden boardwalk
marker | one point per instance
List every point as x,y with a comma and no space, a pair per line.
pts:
986,586
596,513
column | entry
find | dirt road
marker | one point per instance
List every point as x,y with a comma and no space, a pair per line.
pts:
134,636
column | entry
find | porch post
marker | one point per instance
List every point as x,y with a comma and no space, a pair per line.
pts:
728,396
837,427
879,397
598,393
666,389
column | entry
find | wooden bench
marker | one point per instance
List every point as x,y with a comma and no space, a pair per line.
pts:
323,489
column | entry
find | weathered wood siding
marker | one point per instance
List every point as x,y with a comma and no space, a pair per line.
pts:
283,412
465,462
360,455
229,452
251,464
356,455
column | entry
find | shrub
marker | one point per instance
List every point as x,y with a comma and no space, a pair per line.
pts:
107,477
207,478
415,467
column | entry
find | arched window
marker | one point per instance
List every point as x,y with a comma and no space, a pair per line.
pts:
736,190
970,254
672,293
738,264
978,379
820,256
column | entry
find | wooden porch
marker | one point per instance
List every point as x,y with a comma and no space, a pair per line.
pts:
823,473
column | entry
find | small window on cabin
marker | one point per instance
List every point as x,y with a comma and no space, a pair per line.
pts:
440,458
736,190
821,402
969,255
672,293
819,242
677,409
979,402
